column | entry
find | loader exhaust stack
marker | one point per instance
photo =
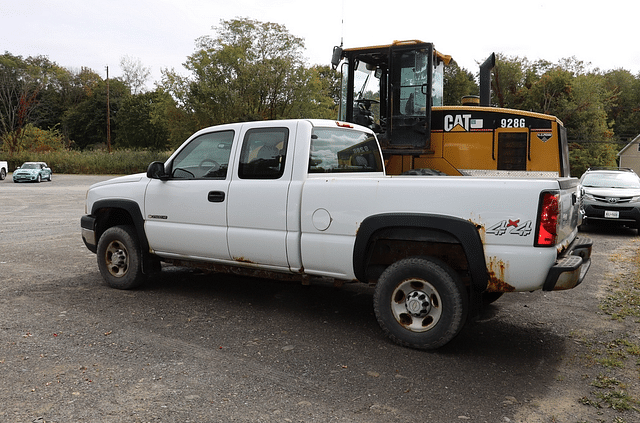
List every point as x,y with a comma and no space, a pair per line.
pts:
485,80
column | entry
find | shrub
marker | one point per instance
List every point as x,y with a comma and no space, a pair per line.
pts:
32,138
97,162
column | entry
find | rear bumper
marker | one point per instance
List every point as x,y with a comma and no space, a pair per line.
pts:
570,270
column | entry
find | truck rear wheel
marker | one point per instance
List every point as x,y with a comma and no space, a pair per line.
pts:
420,302
119,258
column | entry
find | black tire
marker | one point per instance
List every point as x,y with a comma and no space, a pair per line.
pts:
3,174
39,178
119,258
420,303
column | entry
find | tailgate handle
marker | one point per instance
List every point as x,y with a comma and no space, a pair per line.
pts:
215,196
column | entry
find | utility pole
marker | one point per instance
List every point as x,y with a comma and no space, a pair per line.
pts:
108,116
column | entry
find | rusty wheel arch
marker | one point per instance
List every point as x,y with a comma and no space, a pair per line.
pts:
401,235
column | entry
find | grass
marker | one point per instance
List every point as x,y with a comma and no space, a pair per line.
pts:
624,301
615,356
97,162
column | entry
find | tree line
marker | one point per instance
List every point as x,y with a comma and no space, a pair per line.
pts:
253,70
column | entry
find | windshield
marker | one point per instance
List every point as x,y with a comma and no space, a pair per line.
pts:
611,180
365,84
30,166
366,96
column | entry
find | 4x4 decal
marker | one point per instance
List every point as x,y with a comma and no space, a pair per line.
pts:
511,227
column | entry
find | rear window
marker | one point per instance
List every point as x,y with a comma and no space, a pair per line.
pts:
342,150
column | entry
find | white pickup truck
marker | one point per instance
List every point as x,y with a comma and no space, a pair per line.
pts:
4,169
298,199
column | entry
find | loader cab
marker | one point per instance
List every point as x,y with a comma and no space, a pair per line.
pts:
391,90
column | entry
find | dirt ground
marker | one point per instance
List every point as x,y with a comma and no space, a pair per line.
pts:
190,347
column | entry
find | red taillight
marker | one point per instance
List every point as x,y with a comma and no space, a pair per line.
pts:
548,219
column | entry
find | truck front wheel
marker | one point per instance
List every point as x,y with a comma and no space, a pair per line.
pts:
420,302
119,258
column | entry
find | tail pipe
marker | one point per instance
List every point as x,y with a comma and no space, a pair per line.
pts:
485,80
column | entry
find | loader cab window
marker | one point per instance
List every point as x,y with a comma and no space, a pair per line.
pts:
413,78
411,92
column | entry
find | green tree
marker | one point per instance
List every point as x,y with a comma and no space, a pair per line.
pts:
549,93
584,155
508,82
250,71
18,98
458,82
585,112
86,122
317,95
624,113
139,122
177,108
36,91
586,121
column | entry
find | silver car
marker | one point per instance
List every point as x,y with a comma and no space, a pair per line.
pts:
611,196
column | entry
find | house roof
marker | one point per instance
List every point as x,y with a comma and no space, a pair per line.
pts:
633,141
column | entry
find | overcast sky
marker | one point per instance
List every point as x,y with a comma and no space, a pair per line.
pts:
162,33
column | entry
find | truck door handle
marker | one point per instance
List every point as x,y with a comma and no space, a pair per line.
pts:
215,196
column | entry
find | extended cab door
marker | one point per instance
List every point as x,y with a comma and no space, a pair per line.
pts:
259,191
186,215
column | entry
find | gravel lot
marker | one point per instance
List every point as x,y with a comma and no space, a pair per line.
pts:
191,347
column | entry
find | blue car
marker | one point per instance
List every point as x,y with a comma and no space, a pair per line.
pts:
32,171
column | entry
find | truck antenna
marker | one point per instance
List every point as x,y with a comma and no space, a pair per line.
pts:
342,26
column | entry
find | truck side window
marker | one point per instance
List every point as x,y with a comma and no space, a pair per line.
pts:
263,153
341,150
205,157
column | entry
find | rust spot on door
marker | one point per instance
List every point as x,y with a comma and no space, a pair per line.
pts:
242,260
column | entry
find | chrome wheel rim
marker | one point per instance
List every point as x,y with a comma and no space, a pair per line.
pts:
416,305
117,259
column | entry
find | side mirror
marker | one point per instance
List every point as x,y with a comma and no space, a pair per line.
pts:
156,171
336,57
